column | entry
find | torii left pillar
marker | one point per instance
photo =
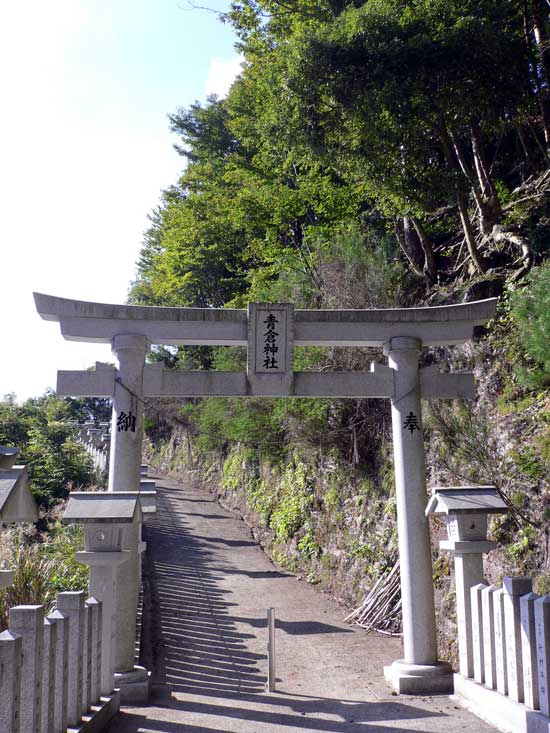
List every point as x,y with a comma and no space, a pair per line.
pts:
124,475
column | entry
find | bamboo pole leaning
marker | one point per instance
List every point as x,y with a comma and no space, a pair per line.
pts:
381,609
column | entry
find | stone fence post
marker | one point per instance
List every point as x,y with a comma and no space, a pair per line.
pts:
71,604
10,680
542,635
61,670
48,675
514,588
529,650
28,622
87,662
96,611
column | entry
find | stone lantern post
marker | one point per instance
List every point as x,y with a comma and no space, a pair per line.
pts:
466,509
16,501
106,516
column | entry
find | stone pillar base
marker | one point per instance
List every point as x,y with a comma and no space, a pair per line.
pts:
419,679
134,686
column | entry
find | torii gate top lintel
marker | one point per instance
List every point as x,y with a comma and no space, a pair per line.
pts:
100,322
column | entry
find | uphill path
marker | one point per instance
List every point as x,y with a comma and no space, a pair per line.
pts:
207,585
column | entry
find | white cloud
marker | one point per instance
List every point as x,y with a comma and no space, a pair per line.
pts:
221,74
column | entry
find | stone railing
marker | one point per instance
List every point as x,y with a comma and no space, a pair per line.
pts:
510,636
50,669
96,441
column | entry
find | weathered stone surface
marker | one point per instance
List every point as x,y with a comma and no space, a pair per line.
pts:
16,501
419,639
501,657
477,632
488,616
542,635
514,588
28,622
61,670
48,674
101,322
10,681
468,572
90,507
8,456
71,604
87,661
529,650
96,610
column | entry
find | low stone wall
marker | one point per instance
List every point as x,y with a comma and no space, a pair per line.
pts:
50,669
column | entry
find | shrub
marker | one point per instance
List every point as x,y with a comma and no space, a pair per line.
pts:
531,310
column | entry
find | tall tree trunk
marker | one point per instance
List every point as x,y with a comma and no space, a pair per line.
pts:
403,245
430,267
452,161
486,221
492,209
469,231
526,154
537,39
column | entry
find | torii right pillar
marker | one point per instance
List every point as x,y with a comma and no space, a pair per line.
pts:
419,671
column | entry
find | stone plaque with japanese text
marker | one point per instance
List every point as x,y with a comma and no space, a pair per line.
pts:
270,331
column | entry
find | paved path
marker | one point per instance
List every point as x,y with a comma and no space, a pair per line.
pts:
209,585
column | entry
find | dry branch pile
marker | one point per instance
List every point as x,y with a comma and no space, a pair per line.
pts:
381,609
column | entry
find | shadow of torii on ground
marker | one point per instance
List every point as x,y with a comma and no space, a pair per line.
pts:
206,588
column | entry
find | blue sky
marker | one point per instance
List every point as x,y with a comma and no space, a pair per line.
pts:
85,151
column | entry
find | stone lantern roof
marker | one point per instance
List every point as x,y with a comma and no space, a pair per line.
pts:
466,500
102,507
16,500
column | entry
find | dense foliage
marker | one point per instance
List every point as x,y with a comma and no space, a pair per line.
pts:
413,123
42,430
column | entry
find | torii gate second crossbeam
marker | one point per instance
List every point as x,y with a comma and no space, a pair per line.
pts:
270,331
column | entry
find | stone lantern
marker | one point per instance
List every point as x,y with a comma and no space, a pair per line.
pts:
466,509
16,501
104,517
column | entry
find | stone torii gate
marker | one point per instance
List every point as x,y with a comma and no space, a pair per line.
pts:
269,331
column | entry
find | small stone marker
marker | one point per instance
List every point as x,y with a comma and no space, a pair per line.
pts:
514,588
542,634
271,650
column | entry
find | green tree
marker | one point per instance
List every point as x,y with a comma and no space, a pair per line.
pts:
41,429
531,310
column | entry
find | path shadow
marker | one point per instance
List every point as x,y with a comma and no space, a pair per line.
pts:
195,649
